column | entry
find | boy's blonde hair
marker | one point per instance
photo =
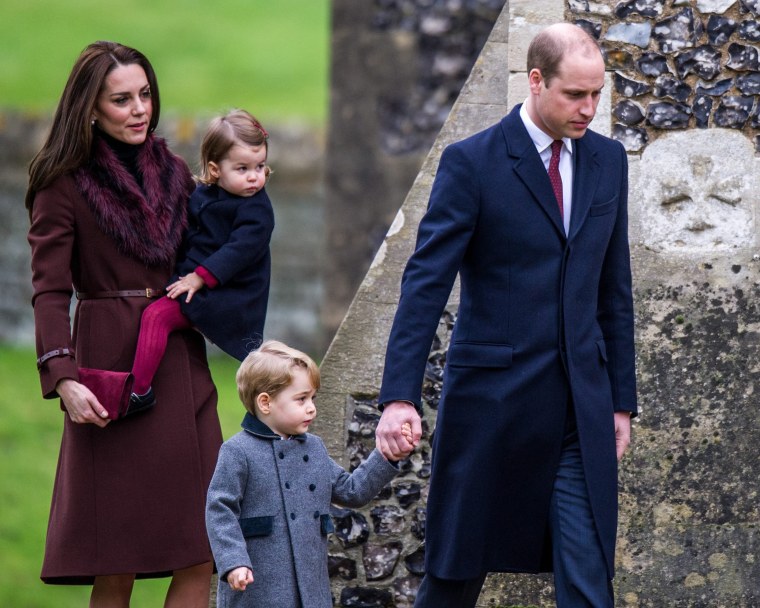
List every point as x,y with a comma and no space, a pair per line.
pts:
269,369
224,132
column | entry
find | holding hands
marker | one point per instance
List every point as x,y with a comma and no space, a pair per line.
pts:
406,432
398,431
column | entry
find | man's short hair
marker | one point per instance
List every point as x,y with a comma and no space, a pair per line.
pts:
547,49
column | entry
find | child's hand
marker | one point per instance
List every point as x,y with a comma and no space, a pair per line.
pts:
406,431
240,578
188,284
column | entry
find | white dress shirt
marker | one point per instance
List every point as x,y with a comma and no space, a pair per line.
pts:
543,143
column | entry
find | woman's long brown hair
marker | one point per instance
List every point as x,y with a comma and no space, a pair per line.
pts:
69,142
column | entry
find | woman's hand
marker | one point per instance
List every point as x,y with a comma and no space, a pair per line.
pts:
81,405
188,284
240,578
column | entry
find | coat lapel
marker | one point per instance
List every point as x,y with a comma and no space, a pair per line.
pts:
529,167
585,180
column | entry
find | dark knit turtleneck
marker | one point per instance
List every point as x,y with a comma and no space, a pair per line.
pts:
126,153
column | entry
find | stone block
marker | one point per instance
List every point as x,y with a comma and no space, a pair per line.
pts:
526,19
488,81
518,89
692,201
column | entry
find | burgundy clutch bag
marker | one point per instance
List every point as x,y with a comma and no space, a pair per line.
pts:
112,389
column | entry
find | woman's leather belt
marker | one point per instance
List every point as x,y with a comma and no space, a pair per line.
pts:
124,293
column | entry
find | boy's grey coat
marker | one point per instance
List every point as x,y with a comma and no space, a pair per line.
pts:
267,509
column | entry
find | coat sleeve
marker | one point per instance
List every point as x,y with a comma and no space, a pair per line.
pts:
223,508
615,306
358,488
248,242
443,237
51,237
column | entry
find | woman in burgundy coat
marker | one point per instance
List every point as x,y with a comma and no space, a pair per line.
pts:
107,202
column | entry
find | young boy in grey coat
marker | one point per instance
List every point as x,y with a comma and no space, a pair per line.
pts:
267,507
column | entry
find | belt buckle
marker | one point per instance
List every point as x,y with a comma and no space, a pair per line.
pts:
149,293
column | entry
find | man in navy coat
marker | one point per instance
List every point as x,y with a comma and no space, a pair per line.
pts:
539,385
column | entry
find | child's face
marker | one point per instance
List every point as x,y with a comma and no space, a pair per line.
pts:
243,171
292,409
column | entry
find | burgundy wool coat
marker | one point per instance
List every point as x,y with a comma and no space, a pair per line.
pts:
130,497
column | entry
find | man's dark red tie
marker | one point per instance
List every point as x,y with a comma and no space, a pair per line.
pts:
554,177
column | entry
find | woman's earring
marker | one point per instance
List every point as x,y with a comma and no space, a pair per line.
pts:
92,122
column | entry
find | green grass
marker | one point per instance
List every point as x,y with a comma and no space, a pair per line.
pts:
267,56
30,429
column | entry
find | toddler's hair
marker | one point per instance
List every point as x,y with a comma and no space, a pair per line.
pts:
269,369
223,133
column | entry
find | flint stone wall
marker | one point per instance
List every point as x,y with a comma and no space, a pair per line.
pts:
689,491
397,68
678,64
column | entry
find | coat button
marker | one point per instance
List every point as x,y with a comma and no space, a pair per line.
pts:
306,458
312,487
292,516
316,514
281,455
287,485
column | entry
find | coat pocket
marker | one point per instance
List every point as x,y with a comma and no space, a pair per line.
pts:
326,524
475,354
603,208
257,526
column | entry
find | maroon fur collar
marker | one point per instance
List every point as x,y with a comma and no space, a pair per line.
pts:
147,223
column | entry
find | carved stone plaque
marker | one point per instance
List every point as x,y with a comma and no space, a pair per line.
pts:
698,191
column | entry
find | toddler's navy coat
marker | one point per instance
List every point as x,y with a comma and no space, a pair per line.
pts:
229,236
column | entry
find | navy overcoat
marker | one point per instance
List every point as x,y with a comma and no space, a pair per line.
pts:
229,236
543,318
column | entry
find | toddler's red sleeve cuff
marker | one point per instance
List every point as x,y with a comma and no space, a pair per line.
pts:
207,277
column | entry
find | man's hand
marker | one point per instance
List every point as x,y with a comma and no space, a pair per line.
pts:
240,578
622,433
391,440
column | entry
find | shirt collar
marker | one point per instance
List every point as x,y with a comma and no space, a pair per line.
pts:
256,427
540,139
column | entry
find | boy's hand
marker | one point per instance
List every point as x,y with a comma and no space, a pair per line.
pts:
188,284
406,433
389,438
240,578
